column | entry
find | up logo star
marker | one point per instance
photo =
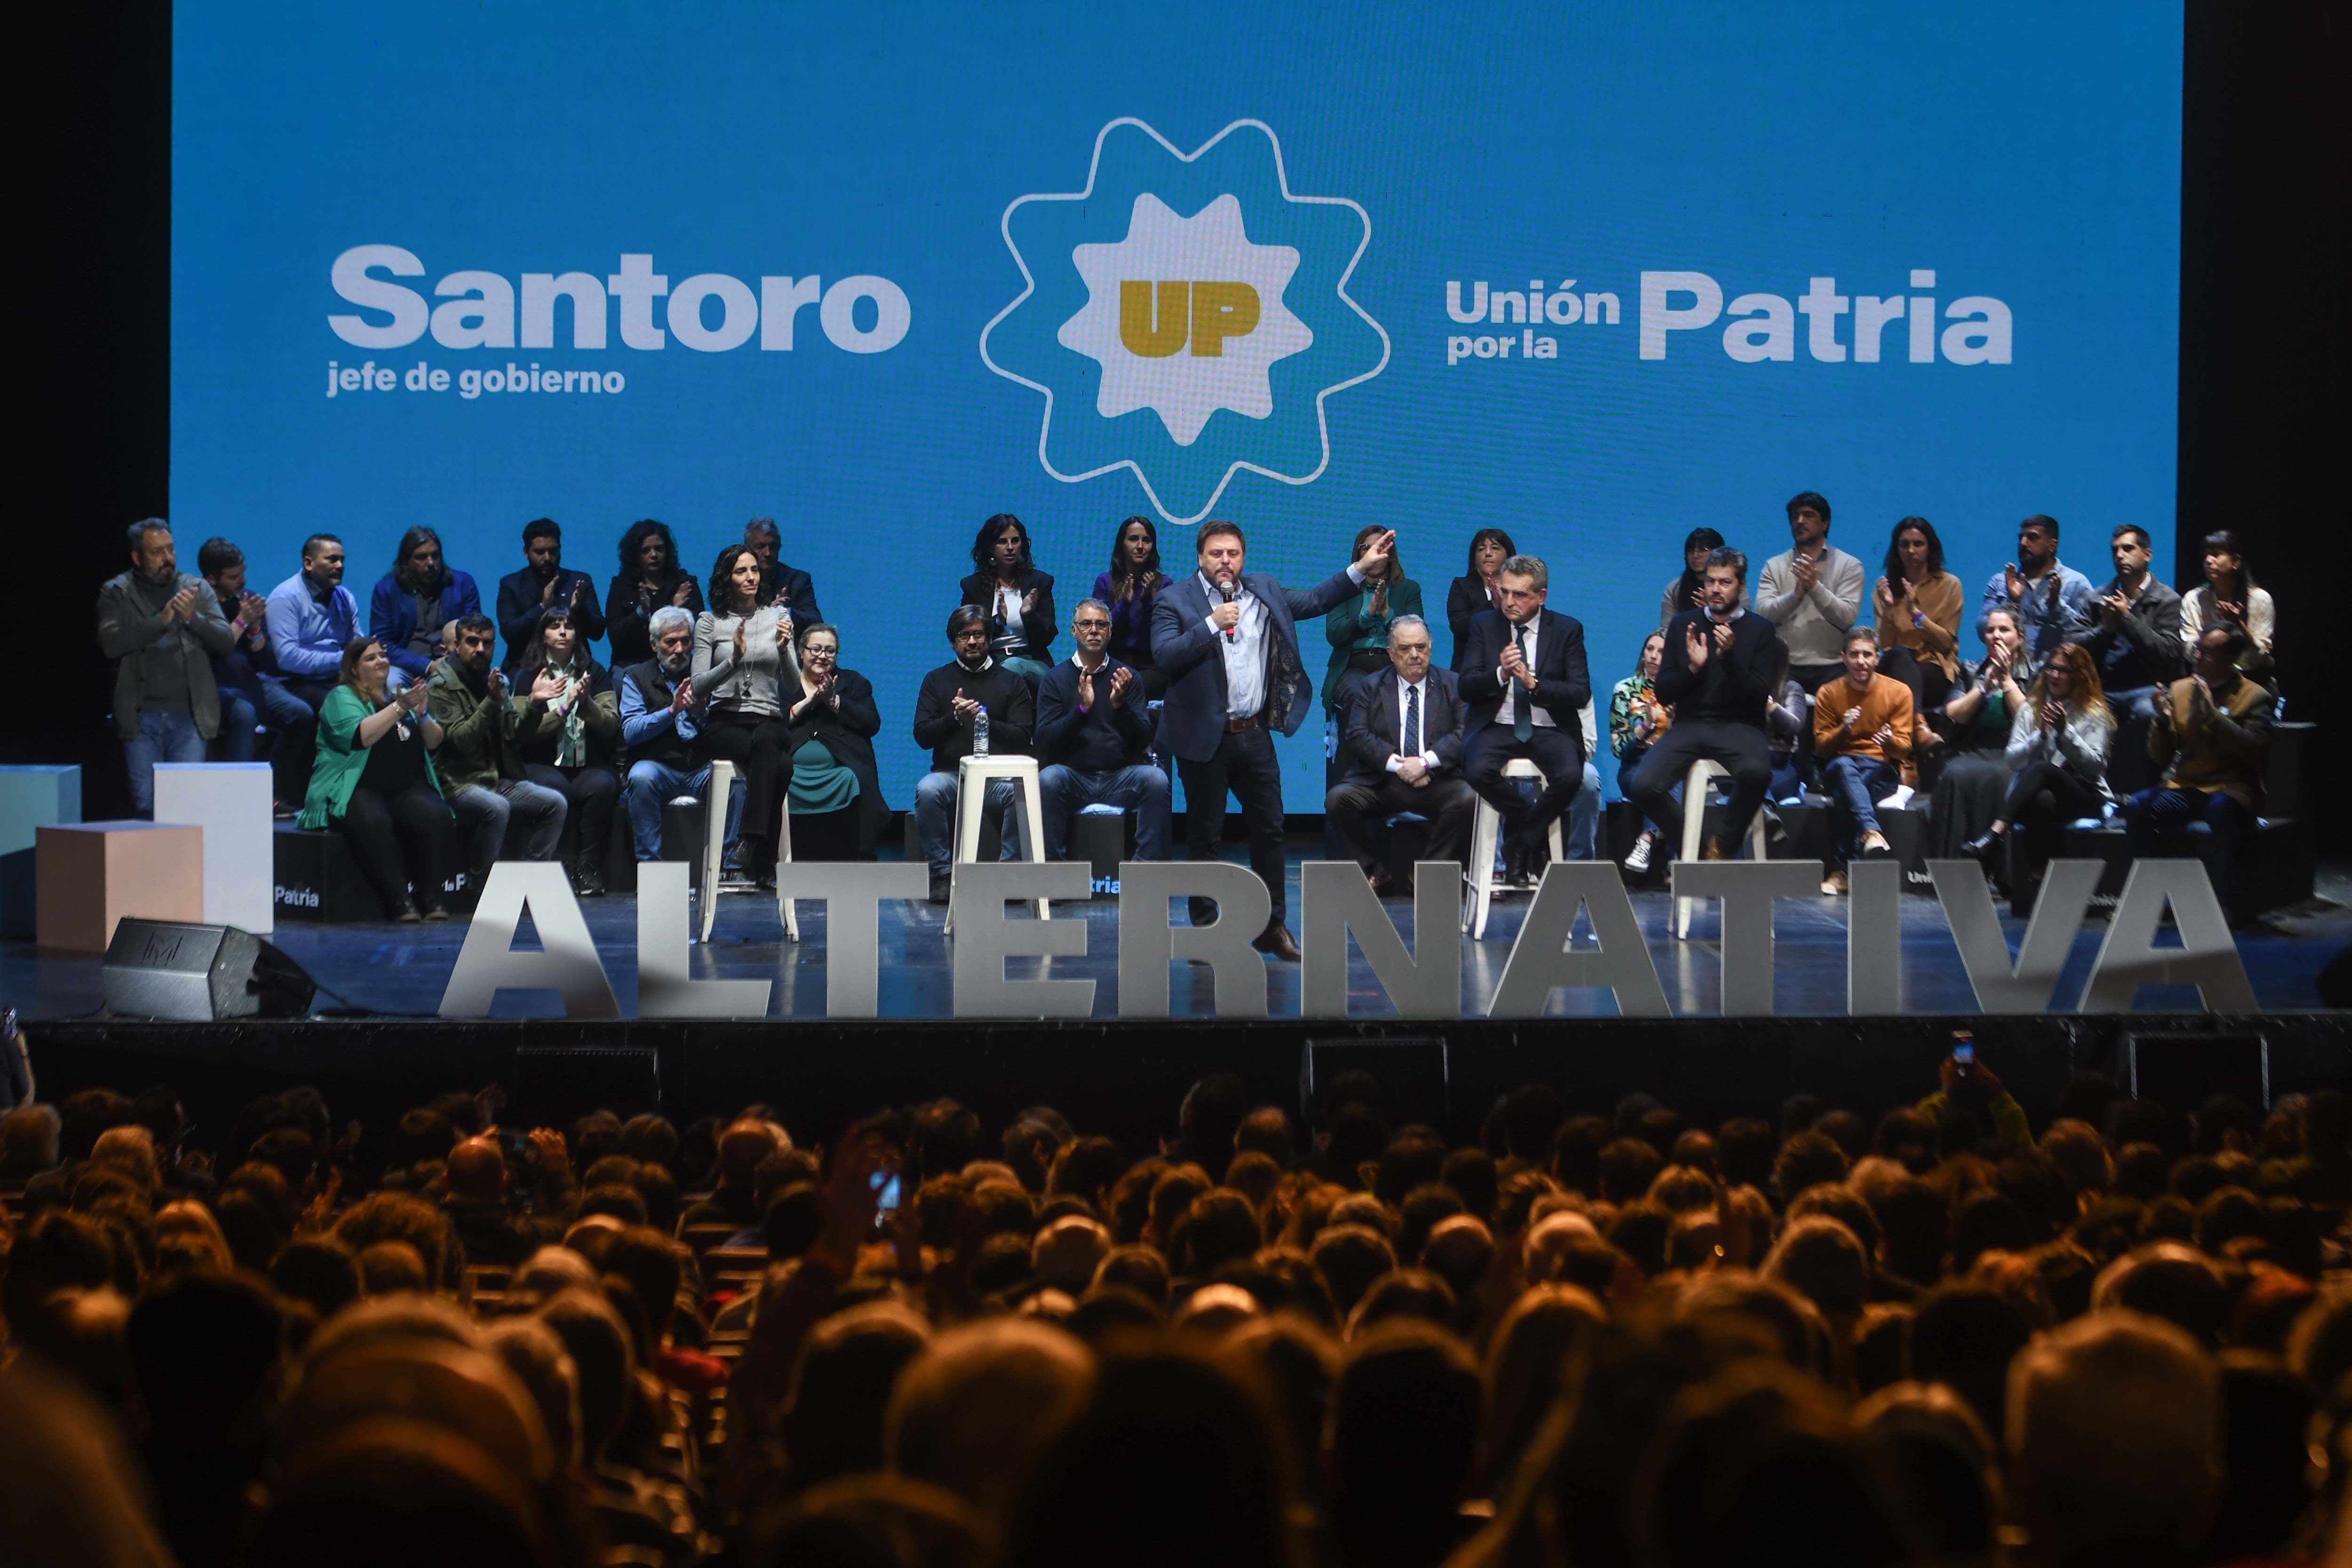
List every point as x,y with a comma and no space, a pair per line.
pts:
1185,315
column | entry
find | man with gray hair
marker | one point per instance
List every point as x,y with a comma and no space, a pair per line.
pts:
1401,737
661,728
2114,1442
160,625
1524,678
1095,740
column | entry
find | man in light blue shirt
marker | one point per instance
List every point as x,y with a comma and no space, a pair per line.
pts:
661,730
310,616
2051,601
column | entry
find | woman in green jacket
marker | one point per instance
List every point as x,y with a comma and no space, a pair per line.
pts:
1358,627
375,780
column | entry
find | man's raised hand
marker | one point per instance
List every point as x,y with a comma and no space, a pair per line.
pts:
1695,646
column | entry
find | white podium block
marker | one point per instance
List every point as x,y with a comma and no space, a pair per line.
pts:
231,801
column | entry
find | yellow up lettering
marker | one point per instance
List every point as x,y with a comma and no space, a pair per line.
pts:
1220,310
1155,336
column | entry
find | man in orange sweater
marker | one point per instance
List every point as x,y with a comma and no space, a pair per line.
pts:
1862,732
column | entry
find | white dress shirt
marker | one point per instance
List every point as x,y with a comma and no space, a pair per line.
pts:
1429,758
1513,693
1008,610
1244,651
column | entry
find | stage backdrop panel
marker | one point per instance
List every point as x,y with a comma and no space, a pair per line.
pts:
1595,273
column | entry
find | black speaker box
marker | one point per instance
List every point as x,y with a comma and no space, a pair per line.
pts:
174,969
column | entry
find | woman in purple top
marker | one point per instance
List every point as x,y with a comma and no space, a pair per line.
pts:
1131,585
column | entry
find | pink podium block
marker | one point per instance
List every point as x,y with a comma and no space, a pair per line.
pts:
91,874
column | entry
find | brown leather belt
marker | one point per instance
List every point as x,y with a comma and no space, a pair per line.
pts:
1243,725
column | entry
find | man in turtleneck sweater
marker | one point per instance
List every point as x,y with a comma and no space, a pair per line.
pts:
158,624
953,697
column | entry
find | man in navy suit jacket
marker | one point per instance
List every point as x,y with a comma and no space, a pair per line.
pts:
1524,677
1403,743
1095,740
779,583
1227,639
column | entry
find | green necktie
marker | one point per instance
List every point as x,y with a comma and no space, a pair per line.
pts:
1524,725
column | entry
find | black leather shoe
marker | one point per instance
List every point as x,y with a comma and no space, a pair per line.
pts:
1277,941
940,887
1983,848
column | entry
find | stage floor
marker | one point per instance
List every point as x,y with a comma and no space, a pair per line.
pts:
387,970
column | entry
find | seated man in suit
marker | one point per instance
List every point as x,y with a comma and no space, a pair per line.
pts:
1716,674
779,583
1095,740
1525,679
1404,741
1228,640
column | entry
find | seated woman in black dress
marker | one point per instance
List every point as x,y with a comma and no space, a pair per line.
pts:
836,793
1476,588
1130,587
1017,597
570,738
649,578
374,782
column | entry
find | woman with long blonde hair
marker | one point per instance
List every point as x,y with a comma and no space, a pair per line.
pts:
2058,742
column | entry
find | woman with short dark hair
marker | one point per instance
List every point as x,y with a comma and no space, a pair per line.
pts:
837,789
1919,606
1016,596
1357,626
1688,589
570,740
374,782
649,578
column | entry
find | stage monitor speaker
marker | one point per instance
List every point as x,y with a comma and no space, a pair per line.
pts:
1412,1071
2183,1071
555,1084
175,969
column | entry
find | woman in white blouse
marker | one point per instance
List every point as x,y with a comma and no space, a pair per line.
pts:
2058,744
744,667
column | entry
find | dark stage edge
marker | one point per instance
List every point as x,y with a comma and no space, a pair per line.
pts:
1127,1078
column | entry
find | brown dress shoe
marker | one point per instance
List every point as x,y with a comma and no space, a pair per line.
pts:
1382,884
1713,850
1276,940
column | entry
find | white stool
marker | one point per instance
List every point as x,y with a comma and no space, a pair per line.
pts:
230,801
1486,826
714,849
973,776
1694,789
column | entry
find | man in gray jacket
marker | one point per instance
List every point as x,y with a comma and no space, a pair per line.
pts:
161,626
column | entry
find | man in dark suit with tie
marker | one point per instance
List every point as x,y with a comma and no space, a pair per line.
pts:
1404,741
780,584
1227,639
1525,679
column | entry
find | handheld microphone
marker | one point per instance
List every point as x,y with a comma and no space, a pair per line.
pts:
1226,587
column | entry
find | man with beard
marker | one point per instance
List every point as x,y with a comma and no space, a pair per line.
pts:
480,762
311,617
251,691
543,584
949,704
158,624
417,602
2054,603
667,754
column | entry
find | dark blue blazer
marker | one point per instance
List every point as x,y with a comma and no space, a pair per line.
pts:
1192,722
794,589
1564,685
1374,725
391,616
519,609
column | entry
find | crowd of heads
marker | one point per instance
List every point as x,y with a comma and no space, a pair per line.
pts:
1338,1339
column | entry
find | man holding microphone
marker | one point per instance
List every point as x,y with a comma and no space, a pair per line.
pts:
1228,641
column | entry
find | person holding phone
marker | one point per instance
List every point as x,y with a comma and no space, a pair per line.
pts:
376,783
16,1065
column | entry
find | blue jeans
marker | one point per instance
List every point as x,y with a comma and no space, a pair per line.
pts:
2154,815
487,812
265,703
650,786
1855,783
161,737
1142,788
935,799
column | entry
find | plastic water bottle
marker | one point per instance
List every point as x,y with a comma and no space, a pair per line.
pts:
980,733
